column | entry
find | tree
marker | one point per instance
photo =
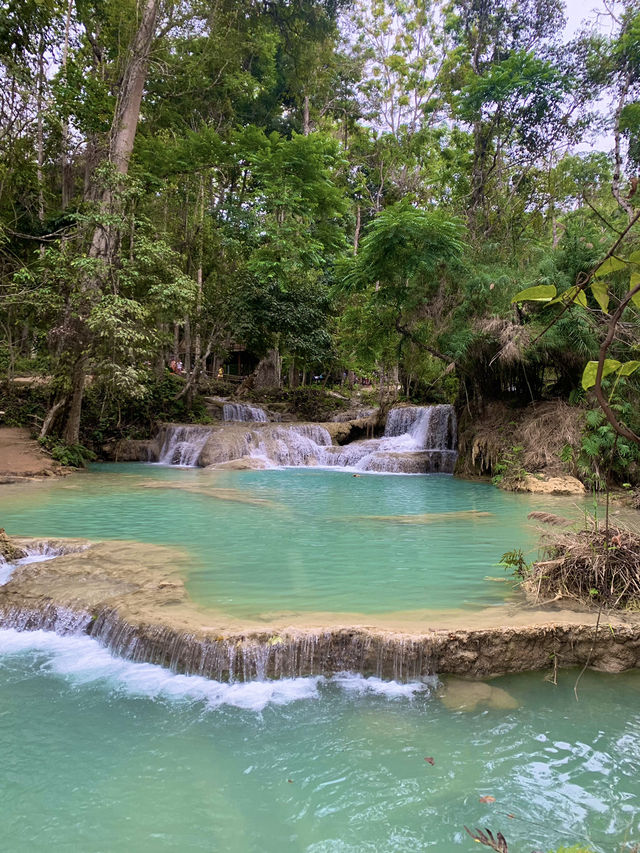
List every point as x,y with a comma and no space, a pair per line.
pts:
397,270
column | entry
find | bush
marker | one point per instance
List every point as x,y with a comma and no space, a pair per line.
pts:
308,403
592,565
510,471
71,455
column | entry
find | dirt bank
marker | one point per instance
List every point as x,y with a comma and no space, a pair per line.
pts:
530,439
132,598
22,456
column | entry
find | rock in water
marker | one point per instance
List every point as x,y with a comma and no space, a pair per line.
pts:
8,551
459,695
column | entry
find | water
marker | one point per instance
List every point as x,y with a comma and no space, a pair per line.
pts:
243,412
182,445
268,543
102,755
417,440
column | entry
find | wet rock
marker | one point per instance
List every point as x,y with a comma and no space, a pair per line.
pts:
8,550
132,450
131,597
542,484
244,463
345,431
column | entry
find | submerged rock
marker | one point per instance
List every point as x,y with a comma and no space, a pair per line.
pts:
244,463
459,695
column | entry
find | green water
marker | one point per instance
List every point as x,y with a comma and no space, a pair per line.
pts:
105,755
311,546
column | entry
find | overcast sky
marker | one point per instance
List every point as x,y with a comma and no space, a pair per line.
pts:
577,12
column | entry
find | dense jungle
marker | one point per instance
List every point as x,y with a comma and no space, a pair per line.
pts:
426,201
319,240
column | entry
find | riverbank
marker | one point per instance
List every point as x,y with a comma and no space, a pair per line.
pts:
21,457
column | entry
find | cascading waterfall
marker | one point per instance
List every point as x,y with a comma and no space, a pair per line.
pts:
182,445
236,658
244,413
417,440
299,445
37,553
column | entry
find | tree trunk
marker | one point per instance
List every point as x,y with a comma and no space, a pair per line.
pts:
198,341
187,346
306,124
105,236
51,416
40,139
356,235
71,433
294,375
268,373
617,171
125,120
64,144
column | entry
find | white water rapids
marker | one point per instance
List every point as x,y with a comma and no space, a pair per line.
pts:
81,659
244,413
417,440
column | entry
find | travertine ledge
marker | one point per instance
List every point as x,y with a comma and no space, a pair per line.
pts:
132,598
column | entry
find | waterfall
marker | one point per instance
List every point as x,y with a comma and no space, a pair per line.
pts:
182,445
430,427
298,445
417,440
37,552
242,412
261,656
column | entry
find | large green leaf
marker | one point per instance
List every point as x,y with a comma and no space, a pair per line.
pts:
572,294
635,281
600,292
612,264
591,370
628,368
539,293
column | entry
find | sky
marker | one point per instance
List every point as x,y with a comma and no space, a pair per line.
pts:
577,12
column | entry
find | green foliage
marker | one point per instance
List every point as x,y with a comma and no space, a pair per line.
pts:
401,253
23,407
70,455
309,403
601,451
108,419
389,194
515,562
510,471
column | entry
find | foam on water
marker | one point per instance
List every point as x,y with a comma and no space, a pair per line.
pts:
82,660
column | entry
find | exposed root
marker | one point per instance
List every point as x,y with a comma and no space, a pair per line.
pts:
595,566
542,430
